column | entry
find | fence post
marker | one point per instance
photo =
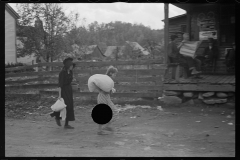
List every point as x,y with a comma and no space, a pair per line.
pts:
40,75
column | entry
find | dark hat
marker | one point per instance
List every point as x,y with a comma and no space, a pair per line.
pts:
68,62
67,59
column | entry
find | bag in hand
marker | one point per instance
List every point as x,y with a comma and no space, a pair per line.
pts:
59,105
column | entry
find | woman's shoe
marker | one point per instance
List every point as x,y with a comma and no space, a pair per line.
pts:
108,128
52,114
68,127
58,122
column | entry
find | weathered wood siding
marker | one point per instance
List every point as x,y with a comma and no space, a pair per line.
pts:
195,29
196,13
175,27
10,39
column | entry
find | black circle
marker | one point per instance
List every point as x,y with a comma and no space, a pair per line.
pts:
102,114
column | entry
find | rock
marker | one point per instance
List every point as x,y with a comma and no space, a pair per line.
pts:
208,94
197,101
159,108
231,94
200,96
209,101
230,123
222,95
229,116
171,100
147,148
220,101
230,104
169,134
190,102
120,143
171,93
188,94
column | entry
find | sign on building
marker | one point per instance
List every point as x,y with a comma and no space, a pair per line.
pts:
204,35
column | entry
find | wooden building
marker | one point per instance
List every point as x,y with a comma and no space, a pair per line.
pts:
93,52
10,34
177,26
36,30
203,21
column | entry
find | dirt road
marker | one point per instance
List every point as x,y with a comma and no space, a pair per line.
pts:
181,131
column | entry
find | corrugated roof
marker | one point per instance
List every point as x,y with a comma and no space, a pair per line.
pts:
110,50
90,49
137,46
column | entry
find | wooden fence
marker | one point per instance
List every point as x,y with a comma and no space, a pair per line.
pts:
134,79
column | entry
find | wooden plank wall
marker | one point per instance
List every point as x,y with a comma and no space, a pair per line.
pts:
175,27
10,38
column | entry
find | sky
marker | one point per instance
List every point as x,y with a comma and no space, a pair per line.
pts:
148,14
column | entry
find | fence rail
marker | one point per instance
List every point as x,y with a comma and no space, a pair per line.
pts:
91,64
131,82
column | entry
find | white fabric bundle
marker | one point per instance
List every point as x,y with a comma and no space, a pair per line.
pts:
189,48
58,105
104,82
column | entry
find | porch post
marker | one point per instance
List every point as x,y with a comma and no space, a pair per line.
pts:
189,24
166,28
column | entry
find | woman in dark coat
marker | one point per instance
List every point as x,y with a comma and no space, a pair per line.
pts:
65,92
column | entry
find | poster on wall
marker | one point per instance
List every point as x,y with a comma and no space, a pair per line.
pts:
204,35
206,21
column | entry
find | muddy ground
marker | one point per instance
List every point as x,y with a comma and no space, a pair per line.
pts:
184,130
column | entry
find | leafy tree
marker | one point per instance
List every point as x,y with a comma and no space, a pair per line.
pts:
45,37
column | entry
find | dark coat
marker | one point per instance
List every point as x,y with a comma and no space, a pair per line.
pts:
211,53
65,80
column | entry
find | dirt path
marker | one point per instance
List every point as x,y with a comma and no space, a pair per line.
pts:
173,132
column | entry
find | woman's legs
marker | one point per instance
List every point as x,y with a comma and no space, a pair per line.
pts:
191,64
114,117
198,64
57,117
67,126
